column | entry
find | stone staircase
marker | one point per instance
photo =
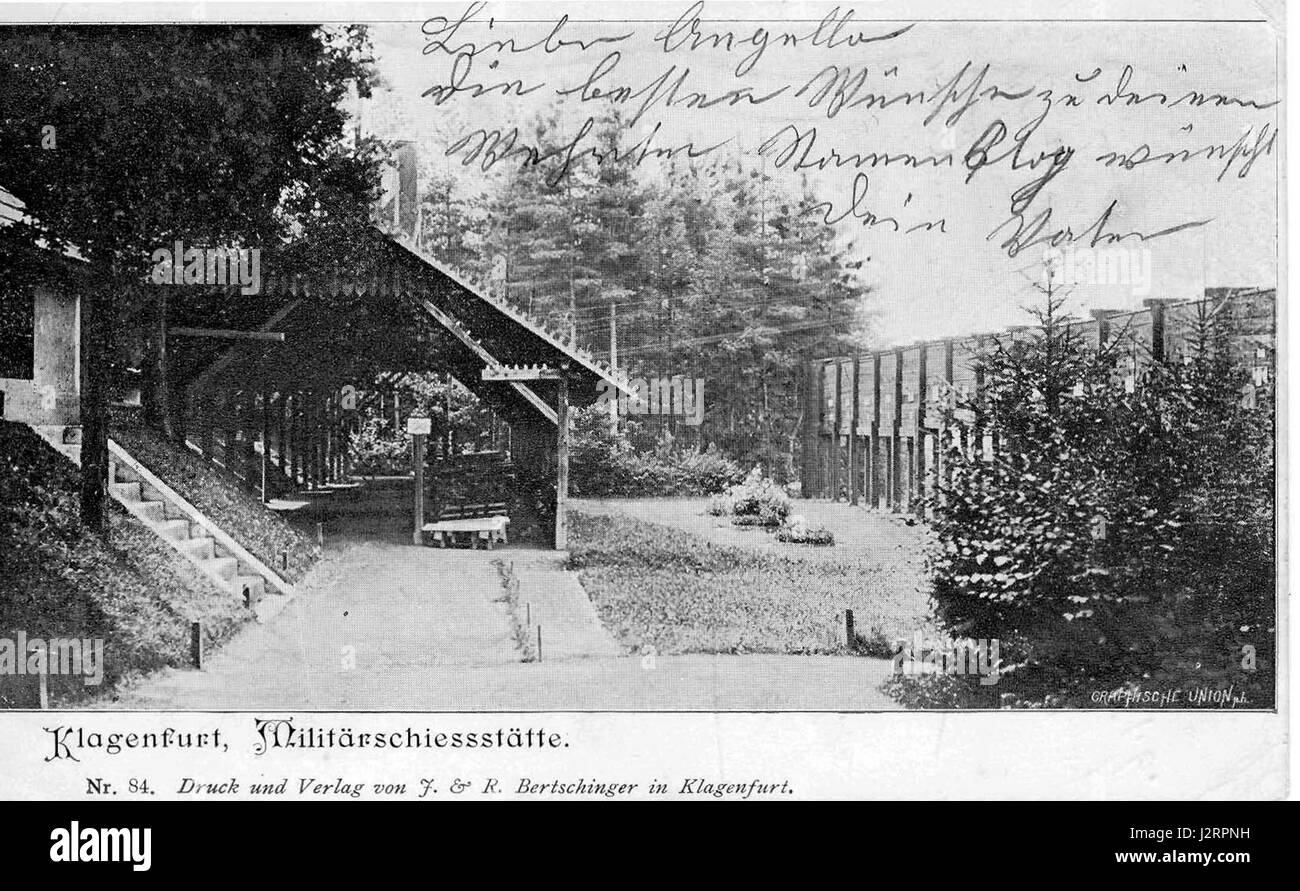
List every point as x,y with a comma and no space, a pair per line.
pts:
189,531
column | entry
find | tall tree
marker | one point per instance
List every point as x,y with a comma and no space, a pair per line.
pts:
218,136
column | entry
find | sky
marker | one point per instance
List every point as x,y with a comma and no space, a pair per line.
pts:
939,238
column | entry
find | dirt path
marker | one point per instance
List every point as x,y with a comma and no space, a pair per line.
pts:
385,626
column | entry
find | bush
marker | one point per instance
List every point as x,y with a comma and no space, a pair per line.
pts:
603,464
1120,539
719,506
375,450
797,531
760,498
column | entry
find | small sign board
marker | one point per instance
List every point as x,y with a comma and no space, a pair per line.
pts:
419,426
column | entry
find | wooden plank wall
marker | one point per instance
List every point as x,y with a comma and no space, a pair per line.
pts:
873,430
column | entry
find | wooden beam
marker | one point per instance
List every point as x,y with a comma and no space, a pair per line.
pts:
521,373
562,466
479,350
227,334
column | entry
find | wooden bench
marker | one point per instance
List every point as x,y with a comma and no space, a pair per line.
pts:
491,529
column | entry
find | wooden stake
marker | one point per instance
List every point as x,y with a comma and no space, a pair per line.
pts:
196,644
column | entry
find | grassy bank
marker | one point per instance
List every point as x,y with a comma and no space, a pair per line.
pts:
58,580
658,586
226,500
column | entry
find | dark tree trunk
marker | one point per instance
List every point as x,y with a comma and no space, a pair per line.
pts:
159,411
95,309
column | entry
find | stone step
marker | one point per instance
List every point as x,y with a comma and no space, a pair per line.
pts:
175,529
224,568
170,523
127,491
201,548
153,511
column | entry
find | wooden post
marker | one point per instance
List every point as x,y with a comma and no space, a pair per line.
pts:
836,423
1157,307
196,644
918,483
417,456
561,470
295,438
896,447
849,633
266,442
873,471
317,464
282,426
854,450
328,436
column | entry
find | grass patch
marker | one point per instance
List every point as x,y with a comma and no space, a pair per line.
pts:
227,501
58,580
654,585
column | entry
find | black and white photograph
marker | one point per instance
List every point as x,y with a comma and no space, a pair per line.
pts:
531,358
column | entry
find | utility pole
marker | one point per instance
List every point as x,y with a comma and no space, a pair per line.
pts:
613,364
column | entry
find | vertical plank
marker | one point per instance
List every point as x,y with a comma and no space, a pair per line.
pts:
838,422
282,424
855,478
562,464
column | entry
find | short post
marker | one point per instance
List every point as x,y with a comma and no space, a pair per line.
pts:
44,685
849,636
284,560
196,644
320,533
539,643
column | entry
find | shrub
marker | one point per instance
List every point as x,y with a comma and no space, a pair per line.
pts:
719,506
1120,538
761,498
602,463
797,531
375,449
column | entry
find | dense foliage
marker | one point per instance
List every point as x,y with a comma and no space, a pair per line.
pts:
1122,538
603,463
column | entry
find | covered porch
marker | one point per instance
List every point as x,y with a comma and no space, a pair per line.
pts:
268,386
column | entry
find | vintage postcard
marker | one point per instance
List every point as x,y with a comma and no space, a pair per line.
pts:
696,400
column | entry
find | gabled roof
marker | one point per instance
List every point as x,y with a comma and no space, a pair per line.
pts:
474,331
